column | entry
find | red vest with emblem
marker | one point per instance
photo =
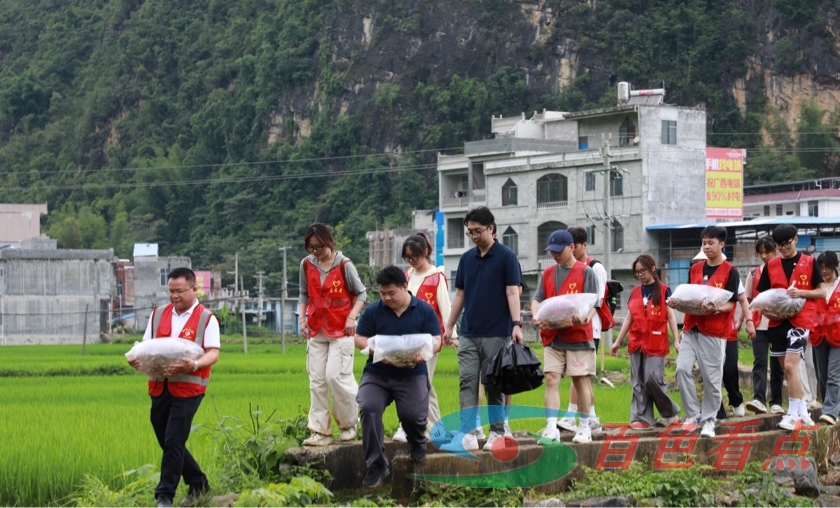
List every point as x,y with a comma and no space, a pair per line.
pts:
801,276
186,385
829,313
330,304
649,328
713,325
428,293
573,284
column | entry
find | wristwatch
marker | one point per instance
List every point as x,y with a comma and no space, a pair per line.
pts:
517,323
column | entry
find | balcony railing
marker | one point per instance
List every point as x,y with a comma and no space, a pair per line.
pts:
554,205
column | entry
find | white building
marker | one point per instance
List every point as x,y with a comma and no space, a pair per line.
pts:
810,198
546,172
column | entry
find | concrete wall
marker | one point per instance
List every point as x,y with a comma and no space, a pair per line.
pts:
149,287
20,222
44,295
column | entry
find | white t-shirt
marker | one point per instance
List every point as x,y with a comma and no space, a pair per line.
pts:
601,275
211,333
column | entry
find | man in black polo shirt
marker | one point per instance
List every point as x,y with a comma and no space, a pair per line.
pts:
396,313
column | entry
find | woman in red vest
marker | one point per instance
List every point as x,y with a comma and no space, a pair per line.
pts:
331,298
827,354
647,323
428,283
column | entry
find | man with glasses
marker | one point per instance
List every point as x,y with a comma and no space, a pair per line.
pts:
487,291
800,276
175,398
703,338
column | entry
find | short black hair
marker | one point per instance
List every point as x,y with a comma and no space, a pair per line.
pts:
784,232
182,273
578,234
391,275
715,232
482,215
829,260
765,243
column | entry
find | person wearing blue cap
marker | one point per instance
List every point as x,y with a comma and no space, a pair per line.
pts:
568,351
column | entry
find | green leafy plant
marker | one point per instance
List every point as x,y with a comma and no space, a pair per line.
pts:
433,494
300,491
137,489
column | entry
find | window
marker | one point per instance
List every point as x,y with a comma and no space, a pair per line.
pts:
766,210
544,230
627,133
509,193
616,185
669,132
583,143
617,236
477,175
813,208
779,210
163,276
552,189
590,235
119,287
511,239
590,181
455,233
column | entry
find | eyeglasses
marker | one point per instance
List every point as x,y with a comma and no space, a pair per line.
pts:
639,273
785,245
476,232
410,259
314,248
172,292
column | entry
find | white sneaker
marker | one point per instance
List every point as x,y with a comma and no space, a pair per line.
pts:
667,422
777,409
756,407
828,419
316,439
567,423
461,442
348,434
583,435
738,411
814,404
807,421
549,433
708,429
478,433
488,445
508,433
788,422
595,426
399,435
690,423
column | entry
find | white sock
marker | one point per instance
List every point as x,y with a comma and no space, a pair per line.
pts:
584,422
592,414
793,407
803,409
572,410
551,423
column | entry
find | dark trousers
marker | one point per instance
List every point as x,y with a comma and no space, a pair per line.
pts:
172,418
730,378
821,368
761,348
411,395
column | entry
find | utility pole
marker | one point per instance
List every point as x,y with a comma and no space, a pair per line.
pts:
236,300
244,329
606,337
259,277
283,305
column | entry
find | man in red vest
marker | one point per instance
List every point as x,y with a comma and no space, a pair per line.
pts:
801,277
175,398
703,337
569,351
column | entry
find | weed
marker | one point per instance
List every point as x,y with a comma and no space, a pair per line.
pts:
434,494
137,489
300,491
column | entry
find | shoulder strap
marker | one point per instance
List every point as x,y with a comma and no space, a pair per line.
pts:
592,262
156,317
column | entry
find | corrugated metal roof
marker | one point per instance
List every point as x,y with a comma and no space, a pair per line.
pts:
759,221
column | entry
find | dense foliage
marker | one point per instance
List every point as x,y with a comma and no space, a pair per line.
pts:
231,125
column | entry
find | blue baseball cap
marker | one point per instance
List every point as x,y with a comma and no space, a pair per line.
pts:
559,240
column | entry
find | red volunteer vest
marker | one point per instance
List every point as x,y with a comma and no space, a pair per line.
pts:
713,325
801,276
604,312
649,328
829,326
330,304
428,293
187,385
573,284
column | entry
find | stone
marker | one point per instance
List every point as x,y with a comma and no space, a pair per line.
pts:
830,490
552,501
831,478
835,459
730,498
801,470
609,501
228,500
827,500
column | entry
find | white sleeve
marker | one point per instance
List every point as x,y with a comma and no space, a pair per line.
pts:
444,304
148,334
741,289
212,338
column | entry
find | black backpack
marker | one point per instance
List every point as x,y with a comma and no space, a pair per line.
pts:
614,288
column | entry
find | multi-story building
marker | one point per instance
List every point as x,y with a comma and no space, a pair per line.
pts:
20,222
150,283
809,198
551,171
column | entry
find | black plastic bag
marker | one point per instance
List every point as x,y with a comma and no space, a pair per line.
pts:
514,369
